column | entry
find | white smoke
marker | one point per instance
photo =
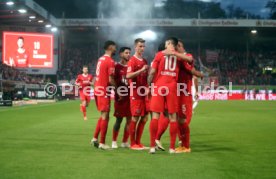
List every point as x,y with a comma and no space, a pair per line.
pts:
125,35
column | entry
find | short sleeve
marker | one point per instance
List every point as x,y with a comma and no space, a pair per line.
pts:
78,79
130,66
156,61
91,78
111,68
188,66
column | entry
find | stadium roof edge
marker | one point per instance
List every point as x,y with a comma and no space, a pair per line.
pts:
80,22
167,22
41,11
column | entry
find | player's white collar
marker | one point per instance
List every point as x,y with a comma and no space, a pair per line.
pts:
122,64
84,75
106,55
141,59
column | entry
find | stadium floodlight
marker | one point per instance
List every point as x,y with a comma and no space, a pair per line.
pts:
254,31
40,21
54,29
32,17
10,3
22,11
147,35
48,25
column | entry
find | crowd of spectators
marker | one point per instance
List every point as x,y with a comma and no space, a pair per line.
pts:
13,74
245,68
231,66
74,59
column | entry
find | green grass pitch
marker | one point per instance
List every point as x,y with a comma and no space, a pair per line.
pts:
229,139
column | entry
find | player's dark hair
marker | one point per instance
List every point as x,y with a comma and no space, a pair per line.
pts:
161,47
181,41
108,43
122,49
173,40
84,66
22,38
136,41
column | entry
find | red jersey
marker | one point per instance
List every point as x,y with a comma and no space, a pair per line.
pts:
84,81
21,59
167,68
134,65
120,76
185,75
105,68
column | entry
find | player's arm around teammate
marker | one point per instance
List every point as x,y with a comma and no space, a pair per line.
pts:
167,67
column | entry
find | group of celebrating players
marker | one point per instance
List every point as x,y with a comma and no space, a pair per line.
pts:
153,91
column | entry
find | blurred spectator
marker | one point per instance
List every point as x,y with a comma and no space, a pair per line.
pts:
12,74
232,66
75,58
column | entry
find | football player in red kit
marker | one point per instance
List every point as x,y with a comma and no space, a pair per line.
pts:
20,58
137,73
185,70
165,91
121,103
103,86
185,101
84,82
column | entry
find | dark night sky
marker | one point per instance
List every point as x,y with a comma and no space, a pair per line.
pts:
88,8
72,8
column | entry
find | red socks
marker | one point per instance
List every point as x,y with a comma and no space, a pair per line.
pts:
173,134
98,127
132,129
83,110
162,126
104,125
186,138
125,136
139,131
126,132
115,135
153,131
180,132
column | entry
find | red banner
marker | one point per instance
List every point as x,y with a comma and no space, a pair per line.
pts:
238,96
28,50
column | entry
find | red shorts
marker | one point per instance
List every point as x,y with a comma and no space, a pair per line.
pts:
84,97
138,107
185,109
159,103
122,108
102,103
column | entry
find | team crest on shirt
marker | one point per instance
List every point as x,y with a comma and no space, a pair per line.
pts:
138,111
183,107
129,69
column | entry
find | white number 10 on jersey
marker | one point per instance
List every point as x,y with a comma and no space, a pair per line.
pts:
170,63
